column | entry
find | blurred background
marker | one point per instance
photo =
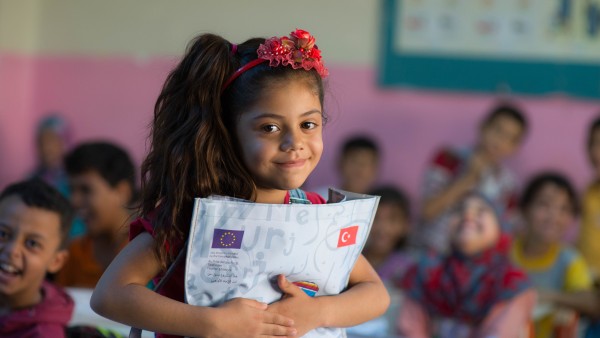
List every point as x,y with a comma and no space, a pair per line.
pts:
100,65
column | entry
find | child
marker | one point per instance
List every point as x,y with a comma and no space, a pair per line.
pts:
386,251
386,246
34,225
549,206
472,292
454,172
589,232
358,164
236,120
102,182
52,141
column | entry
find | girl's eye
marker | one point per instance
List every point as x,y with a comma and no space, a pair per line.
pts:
270,128
309,125
32,244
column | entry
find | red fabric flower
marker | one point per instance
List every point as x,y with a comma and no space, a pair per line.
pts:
297,51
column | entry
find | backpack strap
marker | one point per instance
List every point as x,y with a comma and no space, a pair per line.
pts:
298,196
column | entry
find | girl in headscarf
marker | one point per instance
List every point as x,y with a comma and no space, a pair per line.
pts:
474,291
52,141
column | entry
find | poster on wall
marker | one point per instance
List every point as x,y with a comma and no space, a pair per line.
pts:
526,46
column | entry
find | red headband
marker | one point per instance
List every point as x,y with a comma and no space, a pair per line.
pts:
297,51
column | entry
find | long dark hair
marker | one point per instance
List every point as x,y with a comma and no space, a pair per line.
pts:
194,152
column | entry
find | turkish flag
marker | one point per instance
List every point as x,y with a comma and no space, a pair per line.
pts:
347,236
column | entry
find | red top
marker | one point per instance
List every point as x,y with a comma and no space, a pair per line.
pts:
174,288
49,318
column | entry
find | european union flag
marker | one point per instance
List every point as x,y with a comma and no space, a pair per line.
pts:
227,239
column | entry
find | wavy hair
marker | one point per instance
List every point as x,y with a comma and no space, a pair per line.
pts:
193,151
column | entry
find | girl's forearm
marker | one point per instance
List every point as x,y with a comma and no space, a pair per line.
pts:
360,303
137,306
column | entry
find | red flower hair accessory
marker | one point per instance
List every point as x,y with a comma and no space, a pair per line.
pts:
297,51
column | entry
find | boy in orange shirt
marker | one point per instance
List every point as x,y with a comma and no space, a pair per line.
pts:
101,177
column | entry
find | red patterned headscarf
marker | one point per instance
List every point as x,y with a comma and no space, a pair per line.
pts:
465,287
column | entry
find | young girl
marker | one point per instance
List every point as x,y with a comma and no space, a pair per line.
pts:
236,120
474,291
549,206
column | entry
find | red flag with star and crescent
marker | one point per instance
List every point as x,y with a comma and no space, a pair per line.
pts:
347,236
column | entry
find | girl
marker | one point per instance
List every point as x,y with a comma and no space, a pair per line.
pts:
549,206
472,292
237,120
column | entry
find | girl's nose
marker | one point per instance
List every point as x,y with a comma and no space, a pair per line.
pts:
292,140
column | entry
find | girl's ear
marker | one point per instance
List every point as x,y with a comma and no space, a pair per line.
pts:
57,262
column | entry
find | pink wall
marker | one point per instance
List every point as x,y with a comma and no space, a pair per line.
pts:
112,98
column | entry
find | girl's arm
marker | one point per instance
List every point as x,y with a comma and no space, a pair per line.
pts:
366,298
121,295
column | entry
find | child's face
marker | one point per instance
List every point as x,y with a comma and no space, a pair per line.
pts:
595,150
51,148
100,205
549,214
389,226
474,226
30,241
359,170
500,138
281,137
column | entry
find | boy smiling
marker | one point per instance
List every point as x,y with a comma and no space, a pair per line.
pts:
34,224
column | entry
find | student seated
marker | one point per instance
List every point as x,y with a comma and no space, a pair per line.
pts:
387,252
549,206
453,172
34,225
474,291
101,176
357,166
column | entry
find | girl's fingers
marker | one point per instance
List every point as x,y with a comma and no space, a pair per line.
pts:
277,319
279,331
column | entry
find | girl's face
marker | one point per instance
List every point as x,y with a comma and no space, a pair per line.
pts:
549,214
595,150
281,139
474,226
389,226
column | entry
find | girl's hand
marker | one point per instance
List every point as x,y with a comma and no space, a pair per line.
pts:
297,305
246,318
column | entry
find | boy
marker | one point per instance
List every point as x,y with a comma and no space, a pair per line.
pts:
34,225
101,176
454,172
358,165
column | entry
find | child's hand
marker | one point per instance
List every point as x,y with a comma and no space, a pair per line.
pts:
246,318
297,305
478,163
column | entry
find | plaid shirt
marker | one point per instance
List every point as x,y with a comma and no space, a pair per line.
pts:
446,167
